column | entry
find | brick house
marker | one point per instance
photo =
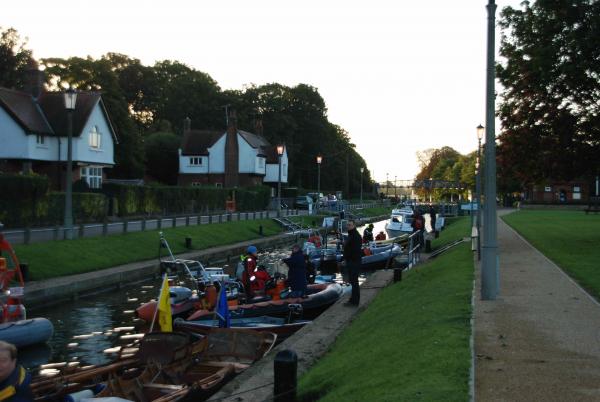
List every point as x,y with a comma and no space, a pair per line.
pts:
234,158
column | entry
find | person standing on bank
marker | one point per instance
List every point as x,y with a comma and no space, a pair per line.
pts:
297,272
14,379
432,217
352,256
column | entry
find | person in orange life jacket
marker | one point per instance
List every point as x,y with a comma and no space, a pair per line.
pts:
14,379
254,277
296,272
380,236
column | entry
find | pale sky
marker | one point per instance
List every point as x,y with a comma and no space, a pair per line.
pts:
399,76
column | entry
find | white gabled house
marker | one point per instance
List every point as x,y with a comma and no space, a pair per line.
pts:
33,134
229,159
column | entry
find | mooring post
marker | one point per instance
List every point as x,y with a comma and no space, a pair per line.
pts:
285,367
397,274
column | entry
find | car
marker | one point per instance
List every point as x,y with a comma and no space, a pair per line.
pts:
303,202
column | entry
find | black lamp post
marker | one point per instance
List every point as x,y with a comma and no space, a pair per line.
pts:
70,101
279,155
480,131
319,160
362,170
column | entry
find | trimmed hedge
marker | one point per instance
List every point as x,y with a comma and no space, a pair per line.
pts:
21,198
25,201
157,200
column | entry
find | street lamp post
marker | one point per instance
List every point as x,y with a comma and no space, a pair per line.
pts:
489,263
70,101
362,170
395,187
279,155
387,185
478,167
319,160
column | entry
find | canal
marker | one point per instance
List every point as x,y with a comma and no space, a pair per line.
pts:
88,330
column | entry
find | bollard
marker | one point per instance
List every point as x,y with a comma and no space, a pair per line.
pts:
27,235
260,230
143,224
285,368
397,275
105,227
159,223
187,220
24,267
188,243
437,234
428,246
81,230
125,224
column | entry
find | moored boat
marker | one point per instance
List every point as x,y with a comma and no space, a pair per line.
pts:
400,222
15,328
282,327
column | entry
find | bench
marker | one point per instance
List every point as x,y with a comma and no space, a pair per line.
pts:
592,208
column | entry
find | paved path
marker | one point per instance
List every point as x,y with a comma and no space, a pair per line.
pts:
540,340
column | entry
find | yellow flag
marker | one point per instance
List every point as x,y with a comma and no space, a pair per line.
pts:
164,308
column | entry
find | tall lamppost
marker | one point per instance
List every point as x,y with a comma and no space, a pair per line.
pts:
478,167
362,170
395,187
279,155
387,185
319,160
70,101
489,263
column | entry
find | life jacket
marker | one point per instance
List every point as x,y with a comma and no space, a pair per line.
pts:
315,239
380,236
367,251
16,380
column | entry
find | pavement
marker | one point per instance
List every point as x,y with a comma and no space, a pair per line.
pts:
540,339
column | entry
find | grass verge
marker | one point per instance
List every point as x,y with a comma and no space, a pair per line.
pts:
59,258
456,228
569,238
411,344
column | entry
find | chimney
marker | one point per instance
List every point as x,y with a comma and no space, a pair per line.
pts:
258,126
34,79
187,124
232,119
231,151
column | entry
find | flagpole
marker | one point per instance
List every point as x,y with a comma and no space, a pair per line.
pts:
157,302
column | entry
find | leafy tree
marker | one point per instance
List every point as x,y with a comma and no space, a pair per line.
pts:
550,108
162,156
100,75
14,59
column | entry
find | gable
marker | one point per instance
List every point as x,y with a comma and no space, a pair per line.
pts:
24,111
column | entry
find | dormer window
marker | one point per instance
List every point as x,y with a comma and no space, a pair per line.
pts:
95,138
39,139
261,163
195,161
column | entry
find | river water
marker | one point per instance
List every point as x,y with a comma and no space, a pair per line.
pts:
85,329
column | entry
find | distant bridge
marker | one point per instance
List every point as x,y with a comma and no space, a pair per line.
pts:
428,184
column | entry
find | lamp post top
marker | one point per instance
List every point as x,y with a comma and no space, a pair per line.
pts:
70,98
480,130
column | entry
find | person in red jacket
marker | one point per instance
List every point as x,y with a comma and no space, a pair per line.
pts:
254,277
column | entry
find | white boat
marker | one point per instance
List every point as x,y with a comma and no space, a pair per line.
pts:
400,222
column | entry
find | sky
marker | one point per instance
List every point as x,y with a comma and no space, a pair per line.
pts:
399,76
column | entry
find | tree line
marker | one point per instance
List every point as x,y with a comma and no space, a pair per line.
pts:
148,104
549,106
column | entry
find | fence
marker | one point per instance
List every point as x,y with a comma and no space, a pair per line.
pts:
31,235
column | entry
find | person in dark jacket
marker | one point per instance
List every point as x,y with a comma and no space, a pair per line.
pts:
433,217
352,256
297,272
14,379
368,234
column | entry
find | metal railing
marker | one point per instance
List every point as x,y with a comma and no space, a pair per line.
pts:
32,235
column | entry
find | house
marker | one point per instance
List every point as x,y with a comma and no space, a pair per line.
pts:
554,191
234,158
34,134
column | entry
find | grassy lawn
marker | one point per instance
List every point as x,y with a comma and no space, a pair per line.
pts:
60,258
569,238
411,344
456,228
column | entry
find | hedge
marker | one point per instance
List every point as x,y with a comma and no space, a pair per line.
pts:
21,198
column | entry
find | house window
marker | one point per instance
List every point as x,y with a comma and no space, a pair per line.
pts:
261,163
95,138
219,185
39,139
92,175
195,161
196,184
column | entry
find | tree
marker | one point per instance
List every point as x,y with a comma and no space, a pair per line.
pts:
14,59
100,75
162,156
550,109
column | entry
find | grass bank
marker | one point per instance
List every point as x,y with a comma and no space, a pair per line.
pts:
569,238
456,228
59,258
411,344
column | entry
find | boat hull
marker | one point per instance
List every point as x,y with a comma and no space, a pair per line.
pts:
27,332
